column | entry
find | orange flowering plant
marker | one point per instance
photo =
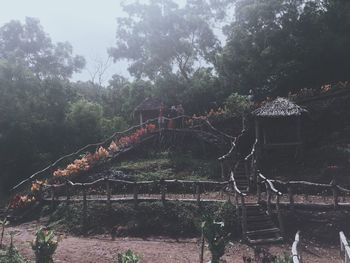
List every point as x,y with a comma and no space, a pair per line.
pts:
86,162
22,201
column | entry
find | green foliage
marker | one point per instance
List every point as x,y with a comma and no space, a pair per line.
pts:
275,46
28,45
11,254
44,246
285,259
128,257
237,105
3,224
216,237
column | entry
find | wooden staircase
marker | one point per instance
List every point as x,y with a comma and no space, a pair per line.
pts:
241,179
260,227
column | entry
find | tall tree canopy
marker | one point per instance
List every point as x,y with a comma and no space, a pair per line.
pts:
29,45
277,46
160,37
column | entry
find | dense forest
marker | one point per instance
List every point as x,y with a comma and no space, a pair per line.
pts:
196,54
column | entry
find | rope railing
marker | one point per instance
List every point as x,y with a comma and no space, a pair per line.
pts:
296,253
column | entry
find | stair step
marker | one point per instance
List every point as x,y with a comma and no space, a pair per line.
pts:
265,241
258,218
264,231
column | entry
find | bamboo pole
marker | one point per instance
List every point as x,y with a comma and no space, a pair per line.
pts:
279,216
67,193
290,196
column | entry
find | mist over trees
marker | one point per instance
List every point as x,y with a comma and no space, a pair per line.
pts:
176,53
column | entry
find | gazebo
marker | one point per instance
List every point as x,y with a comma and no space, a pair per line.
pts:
278,124
148,109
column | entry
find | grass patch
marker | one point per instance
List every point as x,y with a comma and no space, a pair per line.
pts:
170,165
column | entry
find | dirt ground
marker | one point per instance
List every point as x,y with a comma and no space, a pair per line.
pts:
101,249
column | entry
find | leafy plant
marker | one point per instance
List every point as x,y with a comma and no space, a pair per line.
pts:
128,257
216,237
285,259
44,246
11,255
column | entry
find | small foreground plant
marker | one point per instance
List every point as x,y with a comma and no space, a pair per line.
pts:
11,255
285,259
216,237
128,257
44,246
3,224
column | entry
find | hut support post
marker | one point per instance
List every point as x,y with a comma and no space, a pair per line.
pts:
258,189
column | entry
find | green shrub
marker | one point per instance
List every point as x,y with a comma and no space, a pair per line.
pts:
44,246
237,105
128,257
11,254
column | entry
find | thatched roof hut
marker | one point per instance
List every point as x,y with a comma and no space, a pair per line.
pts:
280,107
278,124
149,104
148,109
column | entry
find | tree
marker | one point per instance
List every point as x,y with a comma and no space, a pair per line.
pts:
275,46
160,38
28,45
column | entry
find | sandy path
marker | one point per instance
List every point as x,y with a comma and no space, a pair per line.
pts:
101,249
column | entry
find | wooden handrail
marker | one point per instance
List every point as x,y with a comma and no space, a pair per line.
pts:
344,248
252,151
235,188
296,253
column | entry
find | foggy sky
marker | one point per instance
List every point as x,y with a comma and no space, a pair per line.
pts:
89,25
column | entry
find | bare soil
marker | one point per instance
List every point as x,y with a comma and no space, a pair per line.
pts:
101,249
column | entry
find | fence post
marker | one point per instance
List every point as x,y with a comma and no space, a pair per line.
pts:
258,188
198,193
279,216
135,190
52,197
222,169
335,195
290,195
84,209
162,190
268,192
67,193
108,192
244,218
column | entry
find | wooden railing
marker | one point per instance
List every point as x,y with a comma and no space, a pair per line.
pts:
305,188
296,251
344,248
239,198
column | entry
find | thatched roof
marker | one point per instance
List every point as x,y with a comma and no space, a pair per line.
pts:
149,104
280,107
